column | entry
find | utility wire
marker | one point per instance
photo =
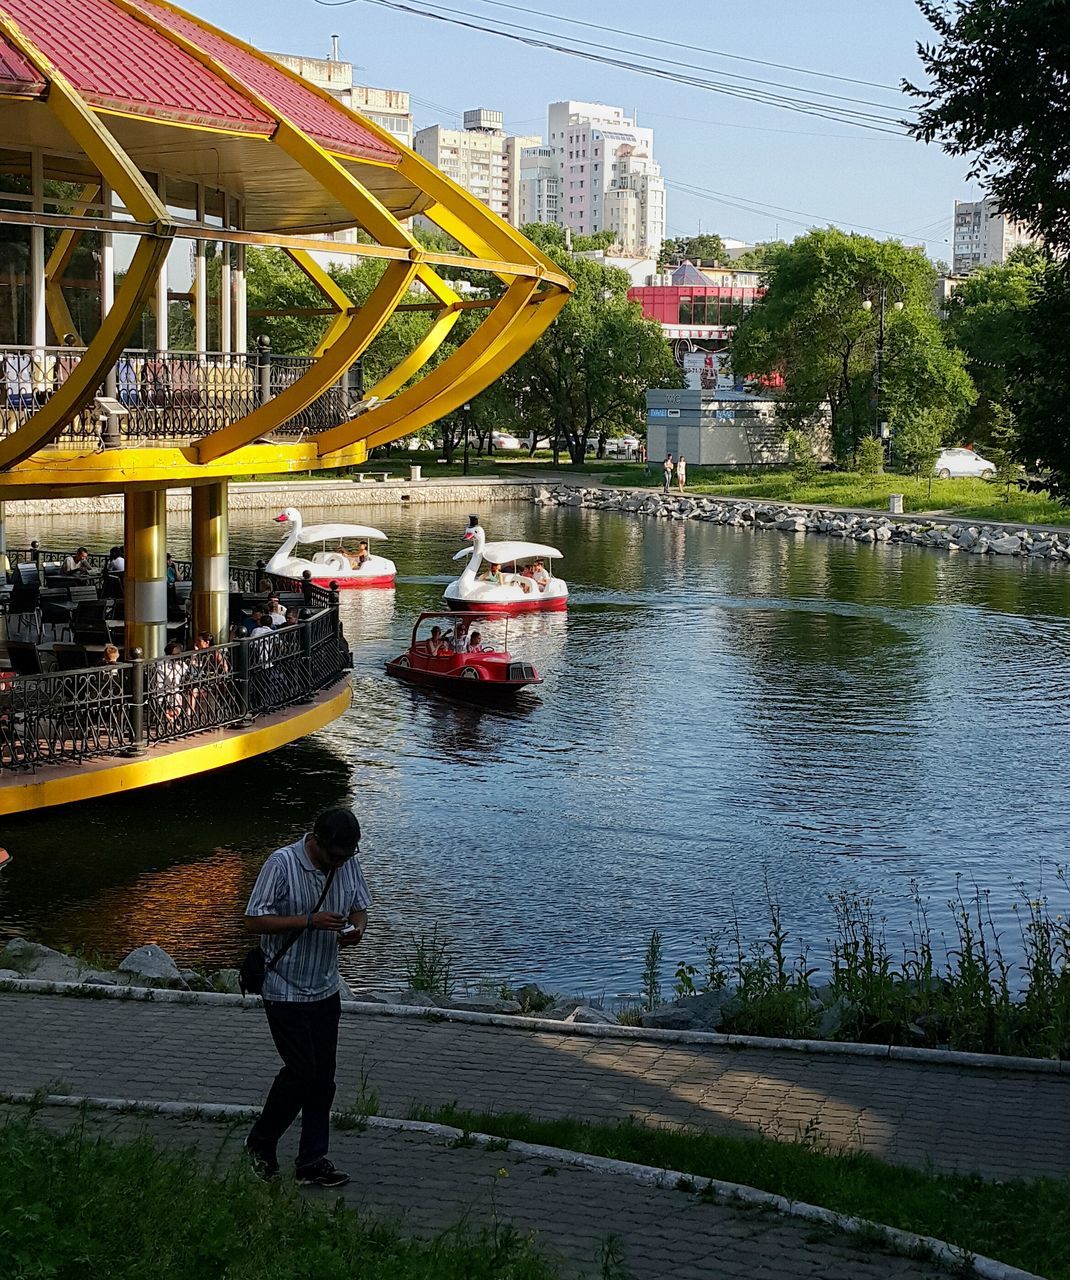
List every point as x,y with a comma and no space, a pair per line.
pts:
649,39
829,111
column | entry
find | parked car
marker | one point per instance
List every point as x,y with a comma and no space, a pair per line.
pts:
501,441
622,446
963,462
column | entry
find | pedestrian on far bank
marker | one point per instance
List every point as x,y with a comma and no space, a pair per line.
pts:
666,472
681,472
312,891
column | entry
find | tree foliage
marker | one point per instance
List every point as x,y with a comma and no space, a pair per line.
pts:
759,256
707,248
813,329
999,92
1041,391
988,318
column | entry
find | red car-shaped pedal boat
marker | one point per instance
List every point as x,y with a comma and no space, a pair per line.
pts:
448,653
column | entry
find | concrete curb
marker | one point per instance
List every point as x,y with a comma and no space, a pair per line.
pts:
729,1193
710,1039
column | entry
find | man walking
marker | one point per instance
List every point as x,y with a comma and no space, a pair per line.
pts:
666,473
309,899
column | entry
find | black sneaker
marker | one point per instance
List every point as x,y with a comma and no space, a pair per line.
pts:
265,1165
321,1174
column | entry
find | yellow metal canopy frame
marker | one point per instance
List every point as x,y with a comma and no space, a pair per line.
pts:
408,397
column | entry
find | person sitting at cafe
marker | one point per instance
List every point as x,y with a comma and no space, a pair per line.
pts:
111,655
174,573
291,616
261,623
116,560
276,612
78,563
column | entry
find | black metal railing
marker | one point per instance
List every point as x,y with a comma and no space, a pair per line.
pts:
166,395
127,707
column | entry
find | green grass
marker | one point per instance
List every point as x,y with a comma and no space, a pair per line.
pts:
1024,1223
977,499
74,1206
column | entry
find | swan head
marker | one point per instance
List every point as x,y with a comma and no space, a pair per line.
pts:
473,533
289,516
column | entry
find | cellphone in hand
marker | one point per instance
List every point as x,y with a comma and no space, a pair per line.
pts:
348,928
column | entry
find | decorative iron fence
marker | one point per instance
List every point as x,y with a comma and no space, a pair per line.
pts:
166,395
127,707
65,716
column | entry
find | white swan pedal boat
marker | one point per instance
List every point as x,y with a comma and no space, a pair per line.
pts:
330,566
517,593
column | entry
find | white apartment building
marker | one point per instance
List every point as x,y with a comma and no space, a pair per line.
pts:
597,148
983,237
481,157
388,108
539,186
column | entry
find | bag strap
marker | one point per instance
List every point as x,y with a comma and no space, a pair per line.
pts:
298,932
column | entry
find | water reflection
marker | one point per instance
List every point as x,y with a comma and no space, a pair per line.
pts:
716,703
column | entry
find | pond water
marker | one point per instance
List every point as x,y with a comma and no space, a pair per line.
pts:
722,710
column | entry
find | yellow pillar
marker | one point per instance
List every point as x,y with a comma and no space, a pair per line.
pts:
211,560
145,546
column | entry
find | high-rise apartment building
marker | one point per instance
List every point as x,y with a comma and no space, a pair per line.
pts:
481,157
539,186
982,236
608,178
388,108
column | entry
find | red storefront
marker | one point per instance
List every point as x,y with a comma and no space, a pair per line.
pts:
696,311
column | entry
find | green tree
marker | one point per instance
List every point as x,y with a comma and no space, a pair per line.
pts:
1041,392
999,91
759,257
917,440
813,328
988,318
707,248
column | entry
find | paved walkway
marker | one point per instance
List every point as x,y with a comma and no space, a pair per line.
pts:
588,1224
997,1123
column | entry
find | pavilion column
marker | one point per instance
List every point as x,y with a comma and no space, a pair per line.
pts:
38,313
145,548
211,560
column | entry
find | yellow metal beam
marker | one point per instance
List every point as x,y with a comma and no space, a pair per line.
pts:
490,337
360,329
58,262
119,171
478,377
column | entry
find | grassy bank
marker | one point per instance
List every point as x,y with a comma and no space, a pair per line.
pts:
1026,1224
72,1206
971,498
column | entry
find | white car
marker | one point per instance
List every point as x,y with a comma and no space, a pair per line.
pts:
622,446
501,441
963,462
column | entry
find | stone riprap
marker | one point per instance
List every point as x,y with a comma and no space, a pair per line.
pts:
974,538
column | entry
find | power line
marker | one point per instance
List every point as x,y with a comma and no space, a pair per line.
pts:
860,119
673,44
803,219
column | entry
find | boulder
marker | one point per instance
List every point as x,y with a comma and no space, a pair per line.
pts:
226,980
561,1008
792,524
9,975
865,535
33,960
832,1020
704,1012
485,1004
421,999
883,533
590,1016
195,981
1008,545
152,965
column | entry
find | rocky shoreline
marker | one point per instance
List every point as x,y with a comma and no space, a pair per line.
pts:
975,538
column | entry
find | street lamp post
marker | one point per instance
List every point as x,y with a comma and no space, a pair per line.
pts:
467,431
880,292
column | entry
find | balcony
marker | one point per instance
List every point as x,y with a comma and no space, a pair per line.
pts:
167,396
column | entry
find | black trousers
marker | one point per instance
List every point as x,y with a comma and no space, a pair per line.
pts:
306,1036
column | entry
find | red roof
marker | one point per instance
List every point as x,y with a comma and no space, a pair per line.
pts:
16,74
326,121
117,62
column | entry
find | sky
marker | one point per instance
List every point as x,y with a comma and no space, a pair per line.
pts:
815,171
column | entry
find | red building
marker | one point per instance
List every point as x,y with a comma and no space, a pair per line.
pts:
699,309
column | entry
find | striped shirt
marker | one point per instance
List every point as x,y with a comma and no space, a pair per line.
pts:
290,885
